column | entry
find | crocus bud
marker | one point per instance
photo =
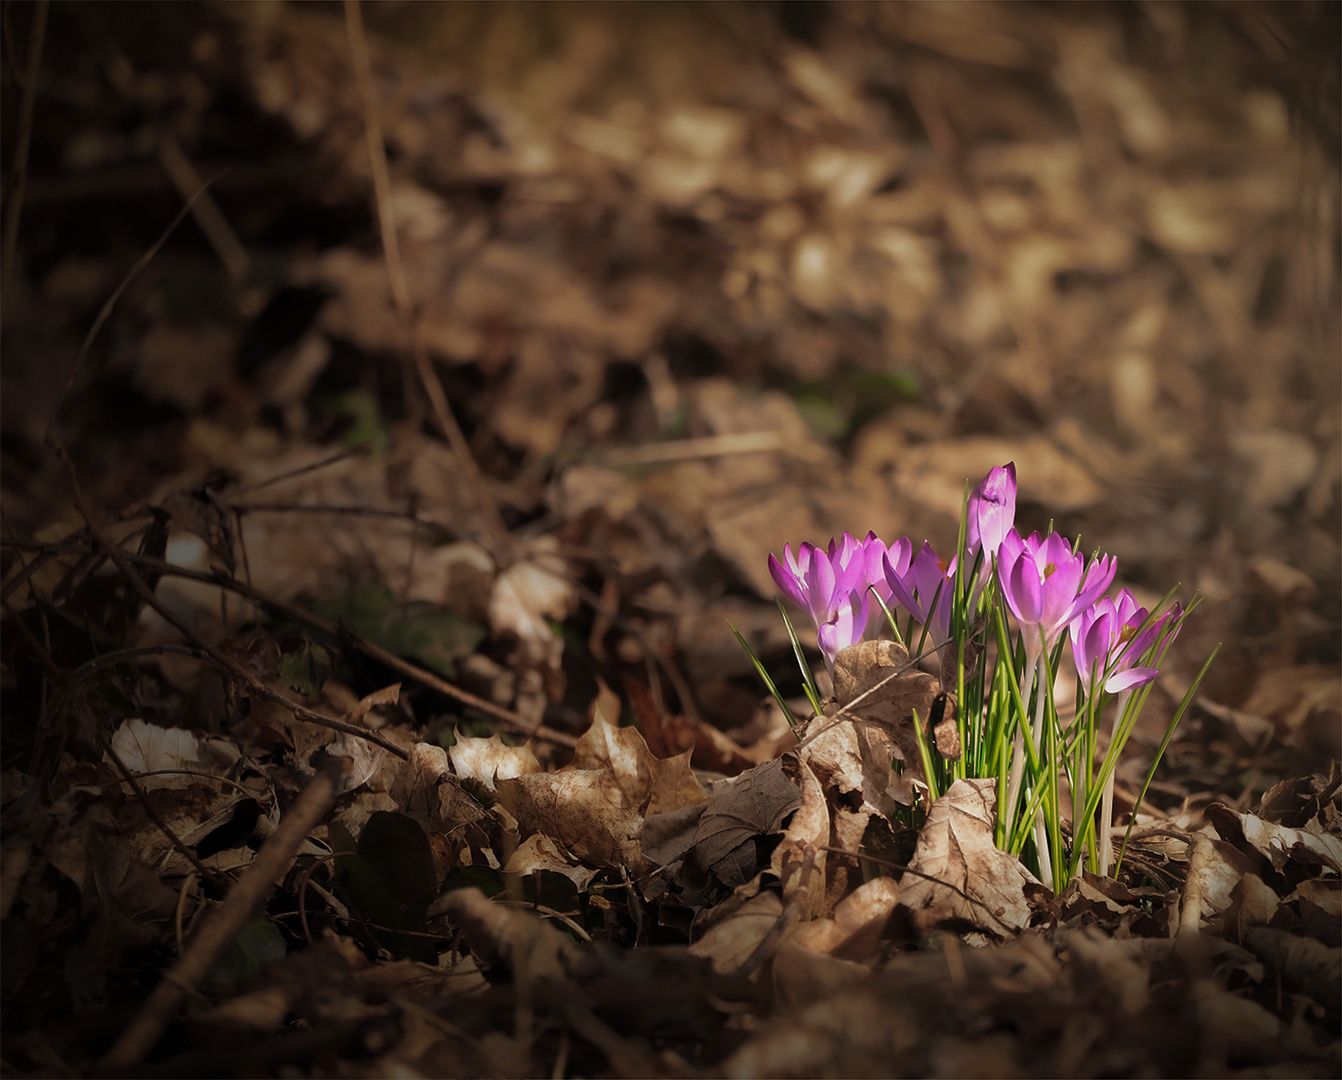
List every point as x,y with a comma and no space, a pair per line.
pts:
992,510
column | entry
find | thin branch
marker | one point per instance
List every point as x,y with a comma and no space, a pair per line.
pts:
14,207
206,211
106,311
400,288
255,686
218,933
362,644
362,448
212,876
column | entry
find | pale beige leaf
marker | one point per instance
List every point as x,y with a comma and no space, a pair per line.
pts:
799,860
971,879
540,852
489,760
729,942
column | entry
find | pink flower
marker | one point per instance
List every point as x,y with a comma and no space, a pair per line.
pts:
1046,586
925,588
833,585
992,511
1106,643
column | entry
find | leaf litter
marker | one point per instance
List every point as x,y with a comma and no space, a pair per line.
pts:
371,716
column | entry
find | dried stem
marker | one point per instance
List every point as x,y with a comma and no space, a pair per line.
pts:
400,289
219,931
124,563
14,207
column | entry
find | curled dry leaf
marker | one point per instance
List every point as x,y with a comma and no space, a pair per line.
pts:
539,852
1277,843
517,939
857,758
969,879
855,928
1214,869
739,810
876,683
799,861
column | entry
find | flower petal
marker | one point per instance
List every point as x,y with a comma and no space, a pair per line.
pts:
1127,680
787,582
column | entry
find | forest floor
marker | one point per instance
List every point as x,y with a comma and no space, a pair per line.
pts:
400,407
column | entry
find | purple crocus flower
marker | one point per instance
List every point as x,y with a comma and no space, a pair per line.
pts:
1106,643
832,585
925,588
992,511
1046,586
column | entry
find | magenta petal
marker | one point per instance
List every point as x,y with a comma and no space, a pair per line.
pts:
1129,679
1099,576
786,581
1022,590
992,509
828,636
820,588
1011,548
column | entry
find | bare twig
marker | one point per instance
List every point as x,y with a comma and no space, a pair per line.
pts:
217,934
106,311
375,652
213,876
400,288
325,463
205,210
749,442
255,686
14,207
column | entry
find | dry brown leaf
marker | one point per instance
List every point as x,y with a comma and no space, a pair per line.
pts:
1214,869
877,685
855,928
489,760
586,810
799,861
731,941
739,810
1277,843
145,748
500,934
539,852
857,758
972,880
671,736
1302,963
460,830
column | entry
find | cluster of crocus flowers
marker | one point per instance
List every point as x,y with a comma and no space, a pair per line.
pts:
835,586
1051,590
